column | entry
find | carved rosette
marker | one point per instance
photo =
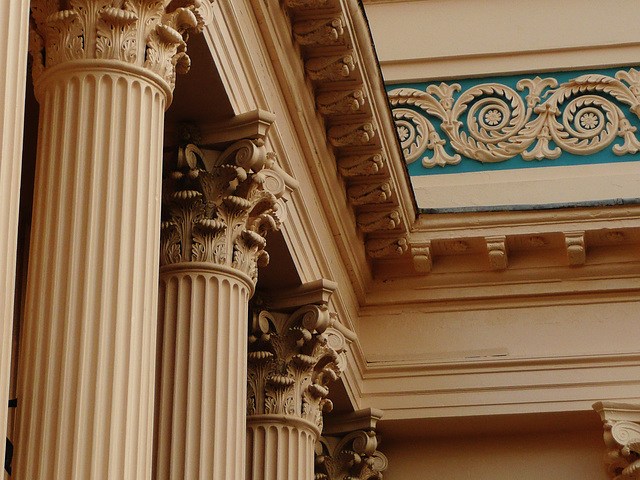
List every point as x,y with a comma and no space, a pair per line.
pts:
146,33
292,359
219,208
353,457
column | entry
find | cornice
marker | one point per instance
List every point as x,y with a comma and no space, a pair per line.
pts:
341,65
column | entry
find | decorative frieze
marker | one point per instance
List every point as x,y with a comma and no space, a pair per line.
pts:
145,33
622,438
492,122
220,206
292,359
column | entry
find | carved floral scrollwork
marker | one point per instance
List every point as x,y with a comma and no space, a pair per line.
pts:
146,33
582,116
220,210
292,359
354,457
623,457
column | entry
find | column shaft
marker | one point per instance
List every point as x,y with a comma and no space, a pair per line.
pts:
14,25
86,376
203,317
280,448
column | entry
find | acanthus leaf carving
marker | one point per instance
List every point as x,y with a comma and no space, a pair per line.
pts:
341,102
370,193
491,122
374,221
332,68
323,31
386,247
351,134
292,360
145,33
219,212
621,424
352,457
356,165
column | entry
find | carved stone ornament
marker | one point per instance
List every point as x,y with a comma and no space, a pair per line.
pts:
582,116
218,208
622,438
145,33
292,359
353,457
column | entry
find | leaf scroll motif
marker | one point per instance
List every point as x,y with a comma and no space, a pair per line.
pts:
491,122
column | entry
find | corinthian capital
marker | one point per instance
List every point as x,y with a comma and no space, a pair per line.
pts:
218,207
292,359
343,453
145,33
622,437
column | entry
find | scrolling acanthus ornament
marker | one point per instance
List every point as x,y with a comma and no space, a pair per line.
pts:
219,207
581,116
292,358
354,457
146,33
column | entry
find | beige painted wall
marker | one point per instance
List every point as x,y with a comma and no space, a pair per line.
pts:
573,455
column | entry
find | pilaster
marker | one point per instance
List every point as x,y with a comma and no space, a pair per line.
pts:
103,73
14,28
219,207
621,423
292,359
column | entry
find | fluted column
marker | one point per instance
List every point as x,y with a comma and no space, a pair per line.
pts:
103,74
14,28
292,359
217,214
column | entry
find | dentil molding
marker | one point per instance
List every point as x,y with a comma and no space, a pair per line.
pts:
145,33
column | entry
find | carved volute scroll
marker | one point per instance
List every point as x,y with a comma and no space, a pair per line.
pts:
352,457
218,207
622,438
292,359
145,33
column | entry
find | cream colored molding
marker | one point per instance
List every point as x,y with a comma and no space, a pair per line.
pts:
502,125
220,206
317,292
365,419
622,438
150,34
432,388
351,453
